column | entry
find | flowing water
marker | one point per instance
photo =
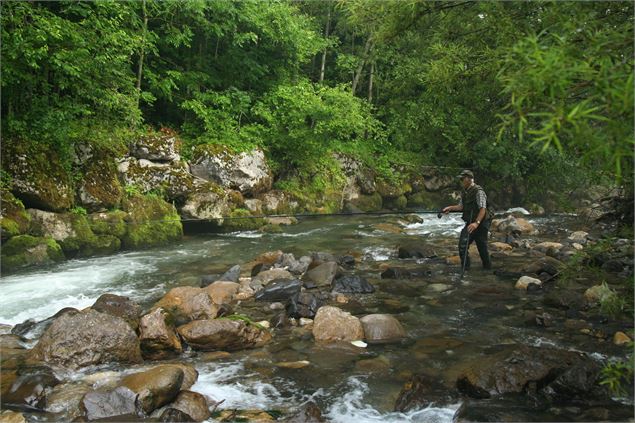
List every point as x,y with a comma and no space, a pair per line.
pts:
447,319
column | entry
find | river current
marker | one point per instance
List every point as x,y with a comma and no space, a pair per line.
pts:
447,319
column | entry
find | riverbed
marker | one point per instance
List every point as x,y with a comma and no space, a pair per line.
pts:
447,318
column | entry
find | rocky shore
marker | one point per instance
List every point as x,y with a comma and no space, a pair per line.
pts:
117,360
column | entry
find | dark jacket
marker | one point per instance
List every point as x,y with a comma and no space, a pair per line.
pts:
470,208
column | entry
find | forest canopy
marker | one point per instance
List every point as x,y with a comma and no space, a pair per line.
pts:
532,94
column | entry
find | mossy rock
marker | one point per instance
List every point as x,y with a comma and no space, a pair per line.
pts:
100,187
26,250
15,220
399,203
242,222
151,221
271,229
38,177
392,189
368,203
108,223
429,201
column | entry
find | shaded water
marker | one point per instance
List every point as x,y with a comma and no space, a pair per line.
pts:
445,325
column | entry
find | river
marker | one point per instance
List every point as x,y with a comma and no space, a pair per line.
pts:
447,319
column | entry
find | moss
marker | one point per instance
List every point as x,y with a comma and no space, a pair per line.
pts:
108,223
25,250
241,221
271,229
101,183
368,203
15,220
429,201
150,221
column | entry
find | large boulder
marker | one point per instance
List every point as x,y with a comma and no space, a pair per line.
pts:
275,202
172,179
99,187
222,291
119,306
223,334
156,147
108,223
246,172
512,225
151,222
158,339
155,387
332,324
207,201
37,175
186,303
382,328
25,250
76,340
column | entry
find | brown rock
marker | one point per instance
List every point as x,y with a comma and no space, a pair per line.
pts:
119,306
193,404
223,334
333,324
187,303
222,292
155,387
382,328
87,338
620,338
158,339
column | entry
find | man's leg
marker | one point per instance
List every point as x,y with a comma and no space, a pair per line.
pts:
463,240
480,237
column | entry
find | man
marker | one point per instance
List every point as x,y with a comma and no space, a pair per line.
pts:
473,204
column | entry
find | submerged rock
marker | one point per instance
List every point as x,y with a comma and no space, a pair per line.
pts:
352,284
382,328
422,391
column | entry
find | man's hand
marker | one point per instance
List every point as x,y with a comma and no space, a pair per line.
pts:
472,227
447,209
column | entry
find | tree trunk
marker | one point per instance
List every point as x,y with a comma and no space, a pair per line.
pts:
358,72
142,52
326,34
370,82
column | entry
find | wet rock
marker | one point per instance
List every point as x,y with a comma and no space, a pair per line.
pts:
186,303
87,338
30,387
579,237
333,324
109,403
265,277
173,415
352,284
12,341
547,264
8,416
303,304
222,292
66,398
577,382
396,273
296,267
500,246
511,369
597,293
382,328
420,392
544,319
524,281
232,275
346,261
418,251
307,413
193,404
438,287
157,338
323,274
155,387
613,266
544,247
279,290
620,338
190,374
564,299
223,334
388,227
503,410
119,306
321,258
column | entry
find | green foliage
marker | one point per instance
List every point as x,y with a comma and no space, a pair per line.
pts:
80,211
243,318
618,375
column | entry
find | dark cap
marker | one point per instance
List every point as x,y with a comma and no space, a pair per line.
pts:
467,173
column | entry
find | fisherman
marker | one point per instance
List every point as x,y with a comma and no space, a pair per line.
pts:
473,204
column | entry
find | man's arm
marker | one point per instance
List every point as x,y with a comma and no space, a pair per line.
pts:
479,218
448,209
